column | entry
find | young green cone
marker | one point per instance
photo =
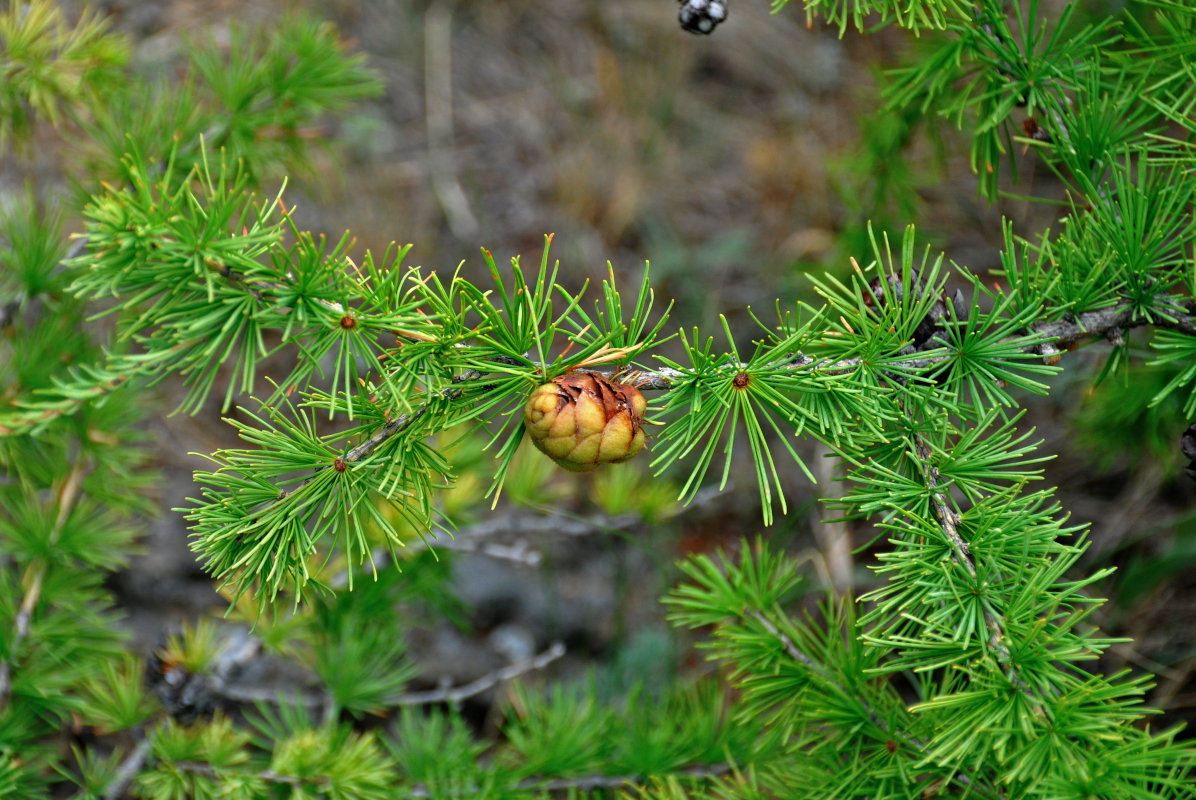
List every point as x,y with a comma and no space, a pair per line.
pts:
581,420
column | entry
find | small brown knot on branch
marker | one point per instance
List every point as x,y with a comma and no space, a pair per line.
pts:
348,321
1035,131
741,380
339,464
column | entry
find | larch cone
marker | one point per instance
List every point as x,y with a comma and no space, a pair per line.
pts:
581,420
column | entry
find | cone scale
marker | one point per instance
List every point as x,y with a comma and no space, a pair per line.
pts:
582,420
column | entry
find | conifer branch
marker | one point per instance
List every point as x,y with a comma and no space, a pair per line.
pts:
949,519
401,423
1088,326
393,428
790,648
912,742
817,668
1105,323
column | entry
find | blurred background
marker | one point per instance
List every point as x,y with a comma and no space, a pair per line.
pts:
736,164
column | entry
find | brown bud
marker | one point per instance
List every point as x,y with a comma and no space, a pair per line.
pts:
581,420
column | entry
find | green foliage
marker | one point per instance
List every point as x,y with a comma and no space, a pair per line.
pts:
259,97
1176,350
916,15
355,650
115,698
51,69
628,489
966,670
435,749
1114,425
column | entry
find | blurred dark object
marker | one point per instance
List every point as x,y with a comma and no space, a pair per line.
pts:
184,695
1187,443
1035,131
188,692
702,16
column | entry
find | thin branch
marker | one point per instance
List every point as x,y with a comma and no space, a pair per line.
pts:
590,782
790,648
451,695
821,671
1089,326
402,423
949,519
252,695
68,495
127,771
392,428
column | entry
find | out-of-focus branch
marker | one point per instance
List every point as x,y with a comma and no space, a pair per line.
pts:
523,522
438,106
450,694
833,538
135,761
581,782
35,575
127,771
587,783
455,695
